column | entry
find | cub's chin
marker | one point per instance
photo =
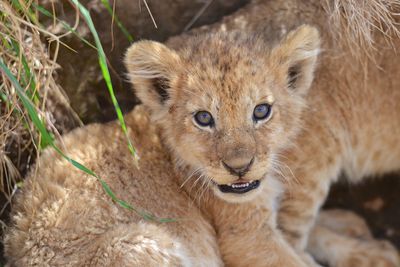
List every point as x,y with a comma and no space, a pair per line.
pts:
239,192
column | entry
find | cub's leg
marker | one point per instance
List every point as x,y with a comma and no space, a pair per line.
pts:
342,239
247,236
300,206
310,169
344,222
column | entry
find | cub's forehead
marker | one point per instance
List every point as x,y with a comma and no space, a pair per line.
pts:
225,52
230,66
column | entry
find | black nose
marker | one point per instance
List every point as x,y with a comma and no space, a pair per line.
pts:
239,171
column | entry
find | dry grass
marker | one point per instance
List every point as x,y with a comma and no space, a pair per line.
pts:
356,23
23,51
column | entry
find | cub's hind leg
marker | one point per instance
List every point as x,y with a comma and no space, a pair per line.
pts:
342,239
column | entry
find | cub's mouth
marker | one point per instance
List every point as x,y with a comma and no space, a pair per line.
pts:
240,187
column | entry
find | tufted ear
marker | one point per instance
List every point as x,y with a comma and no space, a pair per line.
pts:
298,52
151,68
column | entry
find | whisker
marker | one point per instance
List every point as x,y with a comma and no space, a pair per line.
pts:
190,176
284,165
206,182
277,168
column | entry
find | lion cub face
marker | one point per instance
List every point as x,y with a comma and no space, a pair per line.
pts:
228,104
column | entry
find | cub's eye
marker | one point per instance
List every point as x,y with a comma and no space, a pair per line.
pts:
204,118
261,112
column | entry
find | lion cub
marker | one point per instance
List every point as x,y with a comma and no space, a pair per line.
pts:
220,110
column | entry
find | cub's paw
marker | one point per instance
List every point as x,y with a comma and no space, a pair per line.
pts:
372,253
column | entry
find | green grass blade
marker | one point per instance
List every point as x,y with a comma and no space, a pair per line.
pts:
47,138
3,96
106,75
27,11
107,5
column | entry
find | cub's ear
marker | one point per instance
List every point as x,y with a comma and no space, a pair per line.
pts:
151,68
298,53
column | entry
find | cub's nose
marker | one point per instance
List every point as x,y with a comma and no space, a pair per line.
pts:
238,168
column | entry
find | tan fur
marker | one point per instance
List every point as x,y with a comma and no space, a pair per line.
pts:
337,232
347,120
